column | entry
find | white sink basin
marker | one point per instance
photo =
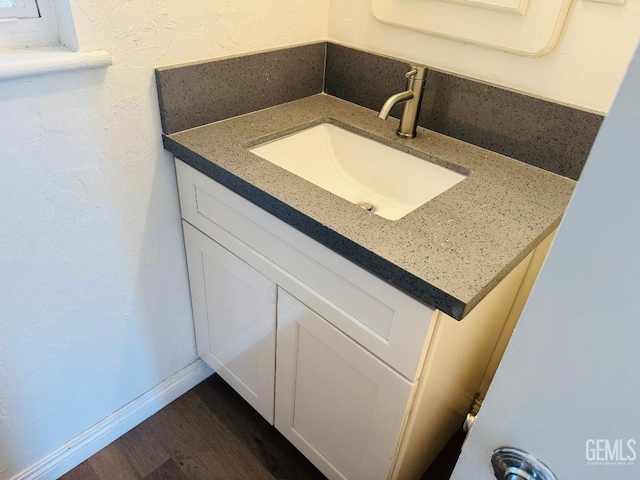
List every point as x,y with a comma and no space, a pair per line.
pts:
359,170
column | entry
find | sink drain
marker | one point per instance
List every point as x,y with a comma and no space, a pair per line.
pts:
367,206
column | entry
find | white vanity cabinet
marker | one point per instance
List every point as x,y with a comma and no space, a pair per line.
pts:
365,381
339,405
336,402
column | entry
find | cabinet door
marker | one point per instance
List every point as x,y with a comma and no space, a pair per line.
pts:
339,405
234,313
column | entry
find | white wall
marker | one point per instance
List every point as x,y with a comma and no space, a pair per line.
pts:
570,372
584,69
94,306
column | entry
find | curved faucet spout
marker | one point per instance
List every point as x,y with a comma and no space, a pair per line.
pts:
412,97
392,101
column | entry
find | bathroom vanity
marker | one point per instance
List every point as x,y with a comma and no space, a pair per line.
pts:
364,340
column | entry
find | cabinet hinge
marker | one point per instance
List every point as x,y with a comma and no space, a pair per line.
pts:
475,408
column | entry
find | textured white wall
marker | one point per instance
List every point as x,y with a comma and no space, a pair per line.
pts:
584,69
94,305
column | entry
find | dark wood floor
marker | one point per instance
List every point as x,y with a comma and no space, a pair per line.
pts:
211,433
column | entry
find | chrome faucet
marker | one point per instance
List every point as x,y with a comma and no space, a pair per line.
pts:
412,98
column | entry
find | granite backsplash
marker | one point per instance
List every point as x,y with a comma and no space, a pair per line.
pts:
545,134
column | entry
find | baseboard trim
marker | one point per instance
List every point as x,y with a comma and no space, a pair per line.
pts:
95,438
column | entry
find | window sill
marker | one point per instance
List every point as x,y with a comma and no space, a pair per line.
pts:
42,61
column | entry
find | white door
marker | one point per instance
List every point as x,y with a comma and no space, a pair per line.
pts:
568,388
234,313
338,404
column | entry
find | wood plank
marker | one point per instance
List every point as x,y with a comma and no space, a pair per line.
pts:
201,445
220,412
84,471
143,449
274,451
111,464
167,471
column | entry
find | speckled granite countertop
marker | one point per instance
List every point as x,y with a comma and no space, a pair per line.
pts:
448,253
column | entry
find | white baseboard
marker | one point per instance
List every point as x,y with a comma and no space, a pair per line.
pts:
92,440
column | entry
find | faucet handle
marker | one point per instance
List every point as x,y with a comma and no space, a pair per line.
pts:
417,72
411,73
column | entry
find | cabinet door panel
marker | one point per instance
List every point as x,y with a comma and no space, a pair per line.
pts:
338,404
234,308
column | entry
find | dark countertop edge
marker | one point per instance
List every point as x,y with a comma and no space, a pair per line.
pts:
408,283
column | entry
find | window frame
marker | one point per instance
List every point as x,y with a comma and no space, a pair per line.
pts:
41,30
21,9
33,47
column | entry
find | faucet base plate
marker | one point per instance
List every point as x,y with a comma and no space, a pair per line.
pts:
405,135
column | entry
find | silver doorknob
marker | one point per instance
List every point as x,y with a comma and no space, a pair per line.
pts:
513,464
